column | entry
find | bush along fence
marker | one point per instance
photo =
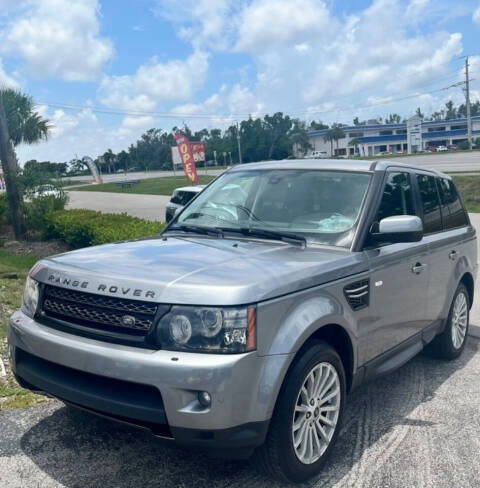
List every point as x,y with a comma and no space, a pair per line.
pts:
81,228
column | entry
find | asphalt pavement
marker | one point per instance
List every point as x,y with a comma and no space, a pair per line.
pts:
417,427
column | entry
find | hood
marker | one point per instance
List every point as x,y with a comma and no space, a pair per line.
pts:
197,270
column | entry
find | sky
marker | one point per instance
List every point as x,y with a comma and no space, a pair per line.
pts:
104,71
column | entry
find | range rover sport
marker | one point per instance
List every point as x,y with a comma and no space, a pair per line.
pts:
243,327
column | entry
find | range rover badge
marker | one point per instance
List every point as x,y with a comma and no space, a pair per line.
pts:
128,320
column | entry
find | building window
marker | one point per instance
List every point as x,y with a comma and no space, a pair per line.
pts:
459,127
340,152
355,134
401,131
436,129
386,132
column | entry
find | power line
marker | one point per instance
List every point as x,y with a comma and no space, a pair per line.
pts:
233,117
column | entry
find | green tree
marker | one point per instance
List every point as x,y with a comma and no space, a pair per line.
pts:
451,111
355,143
335,133
299,137
393,119
19,123
277,127
318,125
419,113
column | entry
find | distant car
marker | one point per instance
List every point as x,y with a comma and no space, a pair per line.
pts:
442,148
180,197
319,154
452,147
431,149
44,191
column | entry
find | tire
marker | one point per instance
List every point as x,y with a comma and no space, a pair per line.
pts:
451,342
279,457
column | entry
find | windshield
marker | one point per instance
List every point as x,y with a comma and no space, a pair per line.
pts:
321,206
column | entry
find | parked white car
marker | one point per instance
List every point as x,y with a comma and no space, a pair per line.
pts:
442,148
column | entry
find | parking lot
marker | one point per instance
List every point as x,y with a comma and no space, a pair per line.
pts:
417,427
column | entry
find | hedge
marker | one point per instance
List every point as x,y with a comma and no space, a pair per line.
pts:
81,228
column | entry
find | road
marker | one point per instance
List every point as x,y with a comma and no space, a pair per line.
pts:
150,207
449,161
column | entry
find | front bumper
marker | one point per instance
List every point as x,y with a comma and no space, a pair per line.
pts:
153,389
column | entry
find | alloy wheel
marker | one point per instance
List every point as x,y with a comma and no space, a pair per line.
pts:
459,320
316,413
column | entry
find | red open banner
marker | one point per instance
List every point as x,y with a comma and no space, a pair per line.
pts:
186,155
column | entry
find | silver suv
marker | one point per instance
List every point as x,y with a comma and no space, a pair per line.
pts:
242,328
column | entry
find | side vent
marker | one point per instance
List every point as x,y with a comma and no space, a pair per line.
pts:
358,294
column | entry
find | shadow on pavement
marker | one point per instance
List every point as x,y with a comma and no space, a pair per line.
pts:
77,449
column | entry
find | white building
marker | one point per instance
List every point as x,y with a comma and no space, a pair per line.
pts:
375,138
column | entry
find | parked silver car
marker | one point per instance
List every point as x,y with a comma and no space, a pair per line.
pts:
180,198
274,293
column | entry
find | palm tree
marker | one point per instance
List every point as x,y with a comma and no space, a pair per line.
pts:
355,143
19,123
334,134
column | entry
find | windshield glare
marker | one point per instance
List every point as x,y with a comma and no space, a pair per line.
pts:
322,206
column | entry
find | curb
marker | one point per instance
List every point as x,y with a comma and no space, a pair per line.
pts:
474,331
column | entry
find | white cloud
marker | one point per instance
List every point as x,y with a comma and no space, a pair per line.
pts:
205,23
175,80
57,38
476,16
267,23
6,80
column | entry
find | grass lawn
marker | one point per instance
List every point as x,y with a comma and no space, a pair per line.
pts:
469,187
151,186
11,395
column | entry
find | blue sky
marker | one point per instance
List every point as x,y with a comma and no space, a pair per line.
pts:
160,63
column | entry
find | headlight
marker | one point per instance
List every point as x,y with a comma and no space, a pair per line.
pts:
208,329
30,297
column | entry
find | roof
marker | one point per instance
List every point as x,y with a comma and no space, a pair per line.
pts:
194,188
362,165
325,164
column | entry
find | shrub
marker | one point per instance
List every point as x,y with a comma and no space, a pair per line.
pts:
81,228
38,208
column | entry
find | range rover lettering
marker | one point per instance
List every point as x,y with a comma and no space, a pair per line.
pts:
243,327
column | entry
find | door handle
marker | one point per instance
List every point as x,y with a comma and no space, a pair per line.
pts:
418,268
453,255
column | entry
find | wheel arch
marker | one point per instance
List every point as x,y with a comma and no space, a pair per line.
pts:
338,338
467,280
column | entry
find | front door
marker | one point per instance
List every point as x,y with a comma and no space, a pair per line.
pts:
399,276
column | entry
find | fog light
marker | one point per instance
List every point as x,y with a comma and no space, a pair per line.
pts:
204,398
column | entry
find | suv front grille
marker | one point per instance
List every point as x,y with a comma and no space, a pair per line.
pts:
358,294
97,311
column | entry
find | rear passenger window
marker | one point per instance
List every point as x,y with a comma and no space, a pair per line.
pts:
453,212
432,218
397,197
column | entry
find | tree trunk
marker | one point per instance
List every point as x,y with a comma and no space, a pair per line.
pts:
9,164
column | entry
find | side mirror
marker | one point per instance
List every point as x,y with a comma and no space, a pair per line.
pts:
399,228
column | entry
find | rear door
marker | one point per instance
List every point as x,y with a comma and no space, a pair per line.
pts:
447,238
399,275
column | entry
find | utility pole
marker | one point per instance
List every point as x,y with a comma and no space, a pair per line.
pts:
9,164
467,93
238,143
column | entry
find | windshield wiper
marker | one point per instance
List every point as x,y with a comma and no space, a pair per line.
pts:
266,234
197,229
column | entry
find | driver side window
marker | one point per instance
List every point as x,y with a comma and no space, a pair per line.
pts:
397,197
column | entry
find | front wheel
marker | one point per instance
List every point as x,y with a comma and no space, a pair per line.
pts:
451,342
307,416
